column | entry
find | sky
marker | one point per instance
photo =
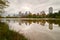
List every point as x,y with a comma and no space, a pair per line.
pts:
34,6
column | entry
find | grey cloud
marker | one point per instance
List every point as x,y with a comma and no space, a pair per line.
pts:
37,5
56,2
34,2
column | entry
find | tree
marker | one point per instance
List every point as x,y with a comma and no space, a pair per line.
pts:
3,4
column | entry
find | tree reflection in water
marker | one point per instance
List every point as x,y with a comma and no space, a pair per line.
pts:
12,35
42,22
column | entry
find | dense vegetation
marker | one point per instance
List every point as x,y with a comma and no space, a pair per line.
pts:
50,15
54,15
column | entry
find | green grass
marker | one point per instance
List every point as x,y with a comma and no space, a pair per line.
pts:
6,34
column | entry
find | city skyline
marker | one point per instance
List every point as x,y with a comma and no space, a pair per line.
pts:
50,10
34,6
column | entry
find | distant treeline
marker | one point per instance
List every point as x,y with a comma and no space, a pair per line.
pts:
53,15
30,15
50,15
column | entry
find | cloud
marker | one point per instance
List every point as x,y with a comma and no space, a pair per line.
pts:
35,5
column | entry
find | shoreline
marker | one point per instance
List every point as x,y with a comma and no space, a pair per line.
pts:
32,18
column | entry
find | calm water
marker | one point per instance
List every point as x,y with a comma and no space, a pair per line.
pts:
35,29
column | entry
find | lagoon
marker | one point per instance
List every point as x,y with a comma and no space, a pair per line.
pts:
35,29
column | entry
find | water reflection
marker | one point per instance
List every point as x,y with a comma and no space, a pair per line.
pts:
40,22
39,29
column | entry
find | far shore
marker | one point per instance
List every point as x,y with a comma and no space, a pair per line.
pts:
17,18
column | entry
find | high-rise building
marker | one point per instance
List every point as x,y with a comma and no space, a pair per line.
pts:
50,10
26,13
20,14
43,14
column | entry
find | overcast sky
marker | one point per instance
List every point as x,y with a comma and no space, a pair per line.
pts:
32,5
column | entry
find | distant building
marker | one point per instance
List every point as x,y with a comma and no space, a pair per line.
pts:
50,10
38,14
26,13
30,13
20,14
43,14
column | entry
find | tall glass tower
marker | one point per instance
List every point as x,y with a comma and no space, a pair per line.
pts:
50,10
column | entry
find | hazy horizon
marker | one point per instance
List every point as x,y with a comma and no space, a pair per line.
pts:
33,6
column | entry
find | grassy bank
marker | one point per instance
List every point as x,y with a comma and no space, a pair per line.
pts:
6,34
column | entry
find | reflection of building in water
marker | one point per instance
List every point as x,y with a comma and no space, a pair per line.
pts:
26,23
19,23
50,26
38,22
42,22
34,21
30,22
